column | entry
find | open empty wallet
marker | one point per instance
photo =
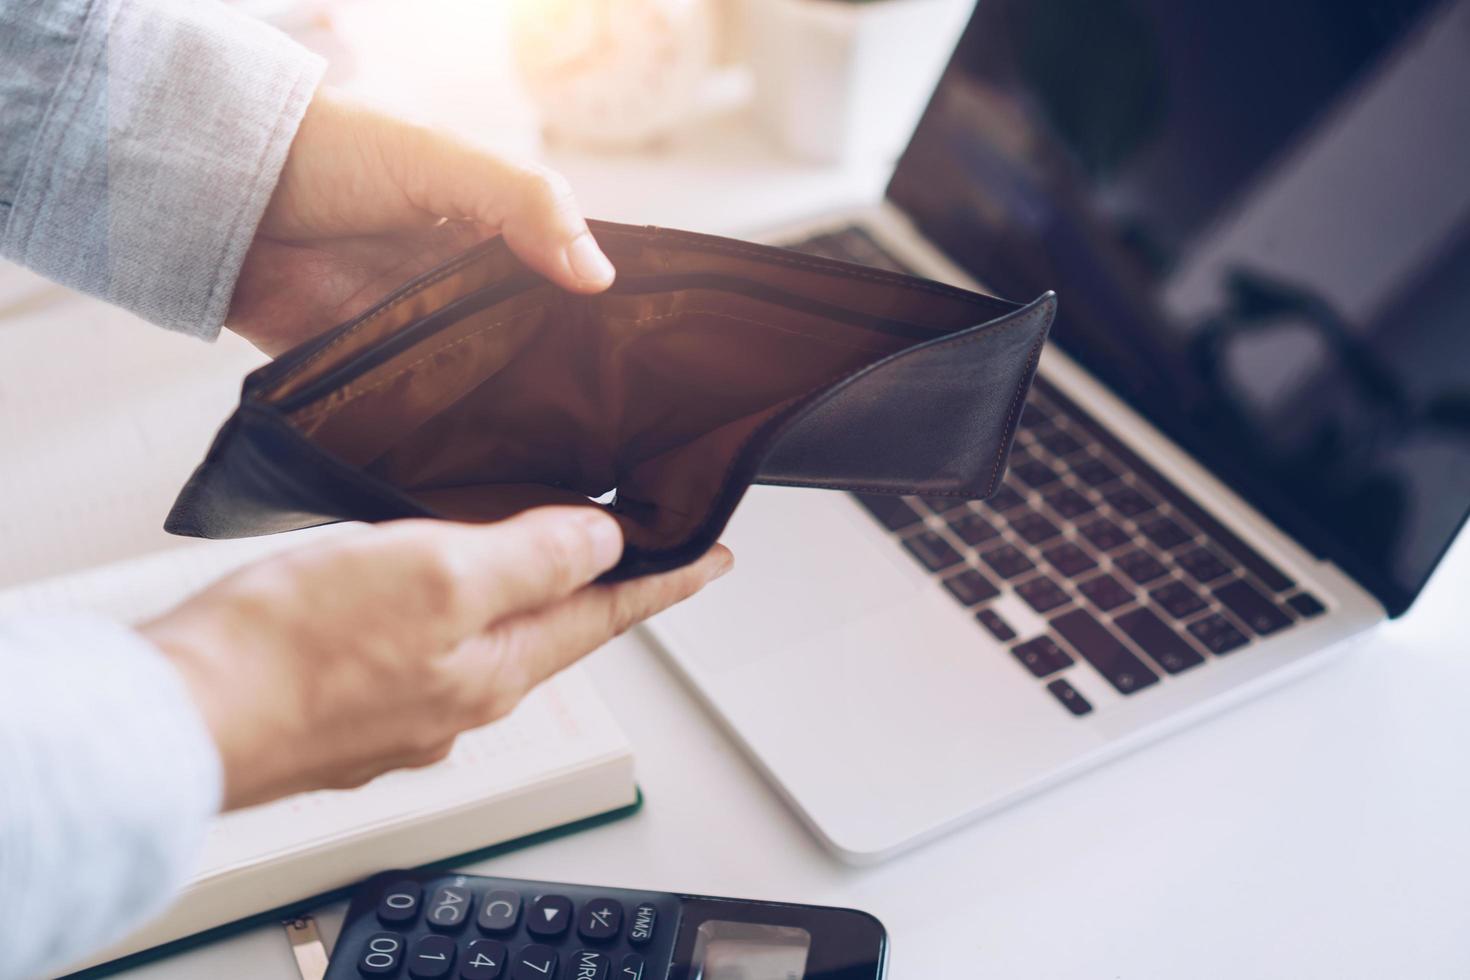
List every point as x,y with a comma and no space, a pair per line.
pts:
480,390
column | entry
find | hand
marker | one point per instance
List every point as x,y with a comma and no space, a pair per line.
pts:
367,201
326,666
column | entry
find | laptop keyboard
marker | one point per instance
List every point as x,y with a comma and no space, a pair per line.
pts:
1132,578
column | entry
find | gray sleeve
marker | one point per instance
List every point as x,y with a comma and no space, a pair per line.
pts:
140,141
108,782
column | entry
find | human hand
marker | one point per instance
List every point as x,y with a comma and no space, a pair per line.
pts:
323,667
367,200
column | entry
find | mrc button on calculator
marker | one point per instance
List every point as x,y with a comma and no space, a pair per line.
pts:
428,925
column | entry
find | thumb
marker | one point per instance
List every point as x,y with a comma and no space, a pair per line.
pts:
531,205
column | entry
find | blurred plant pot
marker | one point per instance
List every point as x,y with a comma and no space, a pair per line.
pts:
844,81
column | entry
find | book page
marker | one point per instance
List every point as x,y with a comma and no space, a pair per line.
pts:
559,729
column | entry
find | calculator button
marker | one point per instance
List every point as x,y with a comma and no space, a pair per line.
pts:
400,903
382,955
589,964
641,929
535,962
500,911
484,959
432,958
448,908
631,968
549,916
602,918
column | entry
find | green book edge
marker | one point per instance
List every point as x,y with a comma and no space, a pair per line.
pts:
277,915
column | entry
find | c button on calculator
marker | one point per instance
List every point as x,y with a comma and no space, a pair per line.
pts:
499,911
549,916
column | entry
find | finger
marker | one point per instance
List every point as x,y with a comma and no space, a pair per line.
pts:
480,573
532,206
530,648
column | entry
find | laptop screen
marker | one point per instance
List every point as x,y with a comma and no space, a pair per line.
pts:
1257,218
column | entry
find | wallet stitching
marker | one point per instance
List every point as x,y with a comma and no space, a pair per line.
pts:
350,395
434,278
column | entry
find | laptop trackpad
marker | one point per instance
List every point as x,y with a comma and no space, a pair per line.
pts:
805,561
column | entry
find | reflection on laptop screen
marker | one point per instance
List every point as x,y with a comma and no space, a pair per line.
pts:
1257,218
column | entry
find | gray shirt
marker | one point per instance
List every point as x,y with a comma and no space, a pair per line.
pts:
139,144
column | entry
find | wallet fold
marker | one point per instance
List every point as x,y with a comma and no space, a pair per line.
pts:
480,390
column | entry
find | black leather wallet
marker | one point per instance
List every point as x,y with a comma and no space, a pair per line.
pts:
480,390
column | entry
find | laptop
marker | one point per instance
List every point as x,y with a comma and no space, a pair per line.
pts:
1248,444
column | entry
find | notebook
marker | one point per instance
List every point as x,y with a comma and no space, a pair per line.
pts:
560,757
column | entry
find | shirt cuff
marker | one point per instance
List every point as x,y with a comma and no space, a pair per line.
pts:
111,779
157,156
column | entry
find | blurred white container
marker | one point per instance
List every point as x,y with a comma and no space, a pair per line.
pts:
845,81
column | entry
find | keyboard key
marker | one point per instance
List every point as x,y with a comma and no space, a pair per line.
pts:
448,908
1042,656
1007,561
1217,634
1165,532
535,962
893,513
1271,576
940,505
1042,594
1202,565
1067,694
932,550
1033,472
588,964
1178,599
1104,651
499,912
1246,601
1129,501
400,903
601,918
631,968
1032,527
1140,566
1005,498
1105,592
971,528
484,959
640,927
970,587
1104,534
999,628
1306,605
382,955
1068,502
1094,472
1059,442
549,916
432,958
1069,559
1158,639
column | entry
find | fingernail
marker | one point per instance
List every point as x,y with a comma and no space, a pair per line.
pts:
587,261
606,537
725,563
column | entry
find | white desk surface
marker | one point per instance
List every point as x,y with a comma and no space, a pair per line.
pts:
1317,832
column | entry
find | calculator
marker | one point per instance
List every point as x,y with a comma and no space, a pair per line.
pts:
428,925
